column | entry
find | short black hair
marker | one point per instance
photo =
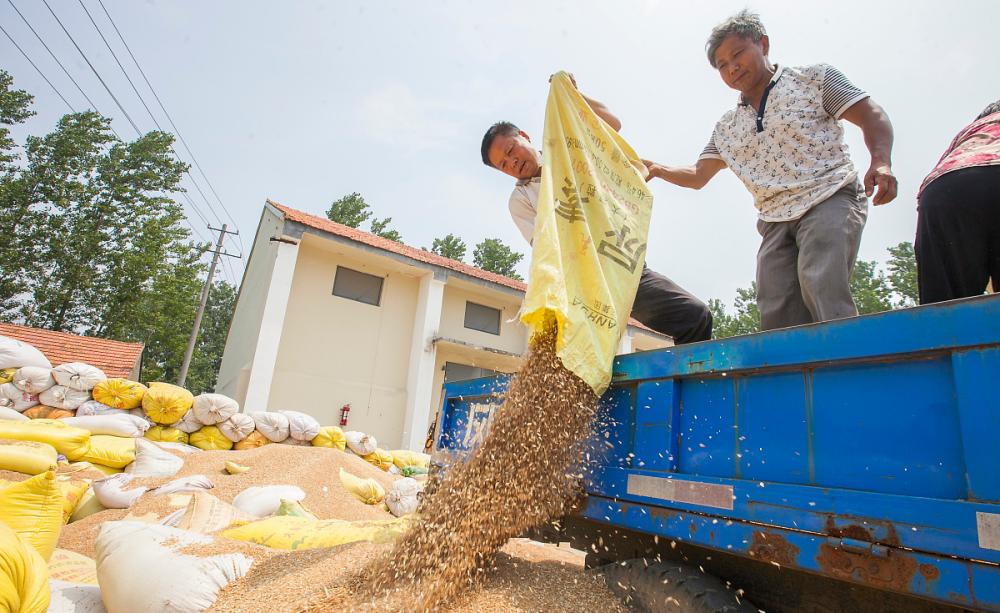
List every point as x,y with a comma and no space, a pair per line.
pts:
989,110
745,24
500,128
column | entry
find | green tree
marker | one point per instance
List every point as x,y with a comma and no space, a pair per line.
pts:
351,210
745,320
493,255
449,246
16,217
902,267
98,245
871,290
380,227
207,356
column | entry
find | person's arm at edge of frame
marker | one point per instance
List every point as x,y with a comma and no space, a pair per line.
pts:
599,108
692,177
877,130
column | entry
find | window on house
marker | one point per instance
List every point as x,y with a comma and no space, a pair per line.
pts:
482,318
355,285
454,371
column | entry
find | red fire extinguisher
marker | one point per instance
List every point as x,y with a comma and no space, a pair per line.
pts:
344,412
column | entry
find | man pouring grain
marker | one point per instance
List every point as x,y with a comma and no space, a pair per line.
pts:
660,304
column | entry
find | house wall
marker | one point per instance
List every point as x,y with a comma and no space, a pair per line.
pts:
237,357
513,336
335,351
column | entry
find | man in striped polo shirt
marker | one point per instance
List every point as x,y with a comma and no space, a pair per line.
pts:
785,142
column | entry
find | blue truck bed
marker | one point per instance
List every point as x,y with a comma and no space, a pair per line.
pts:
864,450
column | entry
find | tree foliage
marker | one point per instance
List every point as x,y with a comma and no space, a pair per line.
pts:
93,242
870,288
493,255
350,210
380,227
449,246
902,277
745,320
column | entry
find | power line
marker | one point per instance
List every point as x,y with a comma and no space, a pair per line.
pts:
146,106
39,70
94,70
171,120
51,53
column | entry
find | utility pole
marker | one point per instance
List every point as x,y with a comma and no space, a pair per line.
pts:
204,300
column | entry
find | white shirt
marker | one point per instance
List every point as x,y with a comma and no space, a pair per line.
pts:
523,205
799,158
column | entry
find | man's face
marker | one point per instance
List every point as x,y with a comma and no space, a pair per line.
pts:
514,155
742,63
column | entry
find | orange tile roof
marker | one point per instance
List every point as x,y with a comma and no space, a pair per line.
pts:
428,257
115,358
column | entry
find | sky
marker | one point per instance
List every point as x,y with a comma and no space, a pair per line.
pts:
304,102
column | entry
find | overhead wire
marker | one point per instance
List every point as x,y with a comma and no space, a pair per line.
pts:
172,123
146,106
94,70
37,69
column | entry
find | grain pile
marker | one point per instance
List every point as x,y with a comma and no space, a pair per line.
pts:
313,469
521,476
524,577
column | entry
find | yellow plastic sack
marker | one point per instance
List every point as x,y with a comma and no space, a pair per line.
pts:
7,375
24,578
71,491
368,491
119,393
330,436
380,458
210,438
67,440
166,434
253,440
293,508
110,451
298,533
404,457
87,506
34,509
27,457
72,567
166,403
589,243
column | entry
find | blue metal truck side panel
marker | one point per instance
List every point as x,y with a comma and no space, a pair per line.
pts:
863,449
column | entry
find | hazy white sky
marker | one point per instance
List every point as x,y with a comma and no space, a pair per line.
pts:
304,102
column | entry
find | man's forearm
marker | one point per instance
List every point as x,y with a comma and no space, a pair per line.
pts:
693,177
603,112
878,135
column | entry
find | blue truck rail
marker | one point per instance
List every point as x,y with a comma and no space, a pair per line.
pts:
865,450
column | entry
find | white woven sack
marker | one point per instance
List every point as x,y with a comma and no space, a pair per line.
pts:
93,407
403,496
192,483
263,501
237,427
13,398
189,423
33,379
113,491
113,425
274,426
78,375
153,461
11,415
210,409
140,568
15,354
301,427
360,443
66,597
62,397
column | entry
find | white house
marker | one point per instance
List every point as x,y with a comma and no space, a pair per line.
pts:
328,315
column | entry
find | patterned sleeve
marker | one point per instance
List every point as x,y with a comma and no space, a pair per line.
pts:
710,152
839,94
